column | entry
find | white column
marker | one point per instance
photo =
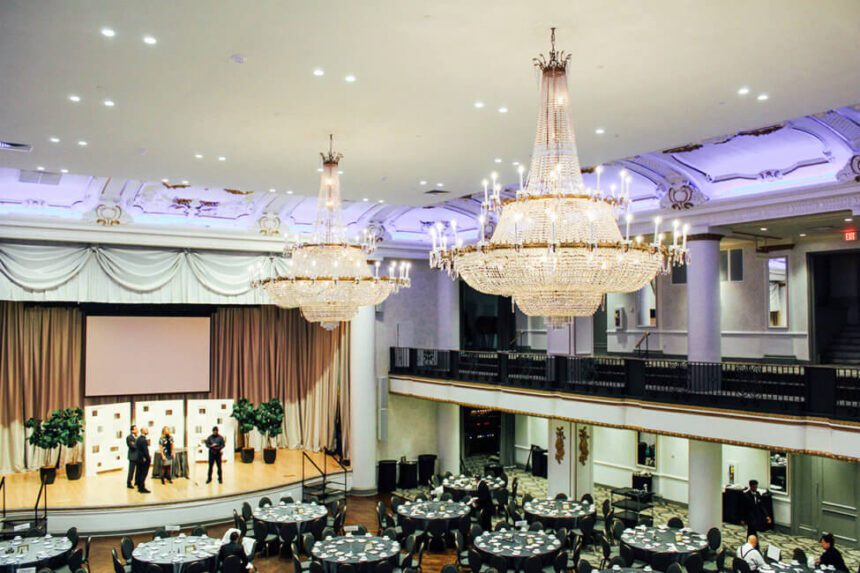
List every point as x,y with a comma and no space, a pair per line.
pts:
583,460
362,376
705,488
447,313
570,471
448,437
703,299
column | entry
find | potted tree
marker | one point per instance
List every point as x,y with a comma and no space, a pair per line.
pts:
63,428
246,417
270,423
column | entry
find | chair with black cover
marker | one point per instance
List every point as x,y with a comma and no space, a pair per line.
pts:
583,566
118,567
160,533
328,532
532,565
396,501
502,526
316,567
73,563
536,526
617,560
661,561
674,567
264,501
338,521
606,551
266,540
719,563
413,557
446,496
625,552
476,562
383,567
199,531
675,523
381,522
287,499
461,550
585,532
420,497
740,566
513,513
587,497
232,564
126,547
499,563
196,567
561,496
437,531
694,563
72,535
560,562
87,543
617,530
288,533
799,555
527,497
607,524
475,532
247,512
308,542
300,566
390,533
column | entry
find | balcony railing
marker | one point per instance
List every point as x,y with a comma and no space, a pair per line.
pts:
796,389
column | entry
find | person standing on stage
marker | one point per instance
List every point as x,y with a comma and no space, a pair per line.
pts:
130,441
215,444
143,459
165,447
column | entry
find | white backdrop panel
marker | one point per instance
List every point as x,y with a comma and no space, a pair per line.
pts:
202,416
104,438
157,414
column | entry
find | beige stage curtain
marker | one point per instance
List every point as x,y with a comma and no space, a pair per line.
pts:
40,371
268,352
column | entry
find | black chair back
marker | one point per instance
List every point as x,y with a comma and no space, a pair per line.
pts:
264,501
740,566
316,567
673,567
72,535
661,561
715,539
559,563
502,526
117,566
617,560
288,532
390,533
475,560
675,523
327,532
247,512
76,559
583,566
287,499
475,532
231,565
532,565
536,526
721,560
308,544
126,547
607,505
626,553
561,496
617,529
694,563
587,497
799,555
160,533
199,531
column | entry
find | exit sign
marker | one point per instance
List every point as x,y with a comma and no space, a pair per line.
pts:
850,235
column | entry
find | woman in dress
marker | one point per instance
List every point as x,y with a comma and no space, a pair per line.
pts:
165,447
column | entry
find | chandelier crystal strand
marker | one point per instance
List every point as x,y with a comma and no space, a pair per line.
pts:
326,275
556,249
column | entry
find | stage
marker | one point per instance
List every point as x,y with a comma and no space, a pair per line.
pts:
102,504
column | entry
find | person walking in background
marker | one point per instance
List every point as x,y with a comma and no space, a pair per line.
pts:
215,444
131,442
756,516
143,459
165,450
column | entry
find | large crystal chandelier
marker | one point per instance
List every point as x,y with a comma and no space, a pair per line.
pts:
556,249
325,274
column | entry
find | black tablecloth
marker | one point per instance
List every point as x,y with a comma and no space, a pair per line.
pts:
517,546
363,552
302,514
557,513
647,541
423,512
35,552
460,486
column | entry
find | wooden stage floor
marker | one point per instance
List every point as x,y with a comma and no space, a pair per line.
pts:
108,489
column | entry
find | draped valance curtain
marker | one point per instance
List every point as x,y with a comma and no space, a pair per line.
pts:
259,352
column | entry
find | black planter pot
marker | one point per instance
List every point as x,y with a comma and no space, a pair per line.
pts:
48,475
247,455
269,455
73,471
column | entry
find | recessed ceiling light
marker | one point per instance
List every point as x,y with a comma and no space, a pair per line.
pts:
515,163
290,192
222,158
198,155
108,32
319,169
165,180
497,160
149,40
75,98
185,181
381,201
762,97
803,234
40,168
340,171
742,91
108,103
599,131
422,182
478,104
82,143
64,170
365,199
54,139
319,72
503,109
349,78
272,190
440,185
849,219
763,229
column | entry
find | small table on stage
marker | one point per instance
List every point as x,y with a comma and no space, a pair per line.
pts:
177,553
302,514
553,513
178,469
37,552
423,512
460,486
363,552
517,546
647,541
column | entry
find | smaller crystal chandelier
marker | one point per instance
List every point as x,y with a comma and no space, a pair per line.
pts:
326,275
556,249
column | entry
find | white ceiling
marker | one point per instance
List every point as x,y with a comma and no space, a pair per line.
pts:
654,75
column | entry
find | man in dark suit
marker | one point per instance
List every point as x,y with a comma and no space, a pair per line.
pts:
756,515
143,459
233,547
131,442
215,444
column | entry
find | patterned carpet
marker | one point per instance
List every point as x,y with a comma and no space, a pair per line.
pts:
733,535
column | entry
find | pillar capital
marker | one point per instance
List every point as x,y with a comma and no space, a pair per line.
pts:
705,237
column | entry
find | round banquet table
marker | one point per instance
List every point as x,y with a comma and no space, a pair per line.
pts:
34,552
646,541
302,514
517,546
461,485
177,553
363,552
423,512
553,513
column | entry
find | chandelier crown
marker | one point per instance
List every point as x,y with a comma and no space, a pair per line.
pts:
554,60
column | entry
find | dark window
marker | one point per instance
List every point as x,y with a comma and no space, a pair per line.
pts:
724,265
736,265
679,275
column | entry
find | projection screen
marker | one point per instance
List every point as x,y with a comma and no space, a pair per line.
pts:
127,355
